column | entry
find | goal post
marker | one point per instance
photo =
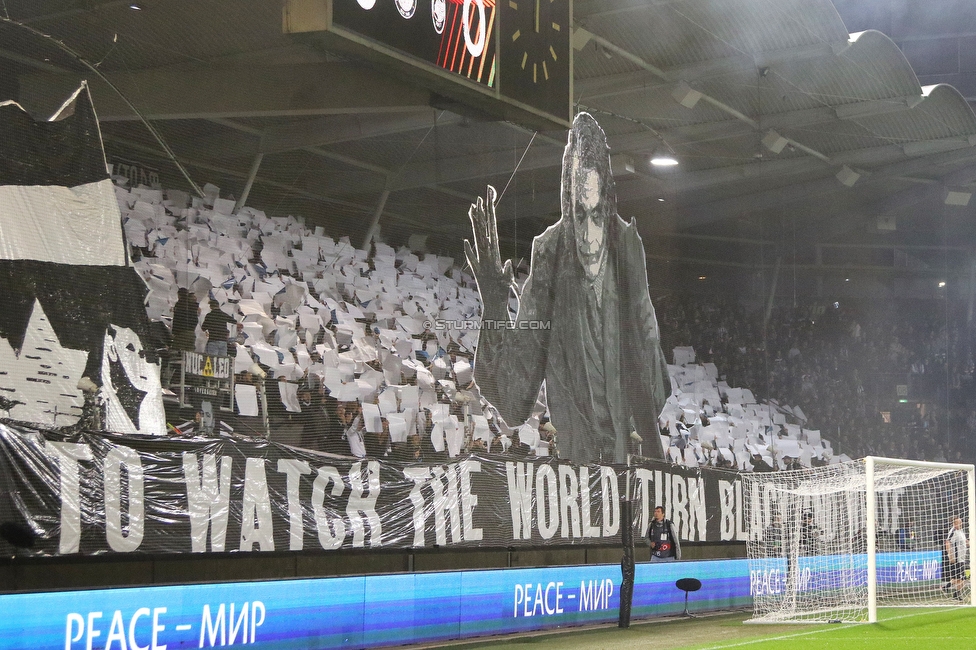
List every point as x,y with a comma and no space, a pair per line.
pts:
871,490
835,543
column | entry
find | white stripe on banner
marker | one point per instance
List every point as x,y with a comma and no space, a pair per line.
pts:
65,225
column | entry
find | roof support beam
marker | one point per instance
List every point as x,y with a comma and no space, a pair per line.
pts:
344,128
681,181
626,82
736,128
245,91
477,166
83,8
30,62
666,76
647,186
382,174
154,151
594,8
798,193
767,59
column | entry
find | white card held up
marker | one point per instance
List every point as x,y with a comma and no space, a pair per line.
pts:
684,355
453,435
528,435
345,392
372,419
388,402
425,379
440,368
366,389
332,380
289,396
463,372
409,397
242,362
247,399
266,355
448,387
481,429
437,436
428,398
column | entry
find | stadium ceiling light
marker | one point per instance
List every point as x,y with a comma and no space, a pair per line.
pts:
957,197
774,141
847,176
664,157
686,95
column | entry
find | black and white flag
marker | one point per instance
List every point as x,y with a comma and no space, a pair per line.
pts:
73,307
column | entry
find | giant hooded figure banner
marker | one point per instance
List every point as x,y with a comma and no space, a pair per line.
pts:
585,323
72,307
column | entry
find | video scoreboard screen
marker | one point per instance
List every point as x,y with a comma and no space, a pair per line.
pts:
455,35
515,51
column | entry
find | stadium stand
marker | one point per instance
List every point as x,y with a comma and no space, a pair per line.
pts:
334,324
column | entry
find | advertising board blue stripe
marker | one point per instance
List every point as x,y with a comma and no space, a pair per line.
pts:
372,611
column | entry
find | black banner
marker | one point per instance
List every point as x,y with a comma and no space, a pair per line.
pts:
94,494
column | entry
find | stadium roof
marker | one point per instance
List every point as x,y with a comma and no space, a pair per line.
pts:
857,135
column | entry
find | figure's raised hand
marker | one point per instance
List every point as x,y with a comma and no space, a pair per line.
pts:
495,278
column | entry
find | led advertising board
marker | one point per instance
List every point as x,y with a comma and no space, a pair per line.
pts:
383,610
355,612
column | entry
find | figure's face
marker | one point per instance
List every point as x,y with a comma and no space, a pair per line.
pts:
957,523
588,221
206,416
659,514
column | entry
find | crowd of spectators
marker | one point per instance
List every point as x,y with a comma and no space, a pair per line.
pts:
339,338
893,380
352,351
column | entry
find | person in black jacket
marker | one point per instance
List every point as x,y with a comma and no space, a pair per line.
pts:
185,316
773,537
810,535
665,545
215,325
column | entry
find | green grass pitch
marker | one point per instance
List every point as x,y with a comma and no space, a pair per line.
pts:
897,629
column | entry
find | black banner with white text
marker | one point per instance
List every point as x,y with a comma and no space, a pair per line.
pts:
95,494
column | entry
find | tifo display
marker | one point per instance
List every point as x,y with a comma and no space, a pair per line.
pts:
431,425
387,335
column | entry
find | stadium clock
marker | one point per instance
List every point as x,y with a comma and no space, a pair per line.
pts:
532,26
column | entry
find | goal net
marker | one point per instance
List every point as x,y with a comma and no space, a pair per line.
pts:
835,543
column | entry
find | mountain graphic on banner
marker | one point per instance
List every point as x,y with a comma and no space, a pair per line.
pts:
43,375
73,307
